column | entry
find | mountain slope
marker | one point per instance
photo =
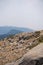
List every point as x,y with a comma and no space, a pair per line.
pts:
15,48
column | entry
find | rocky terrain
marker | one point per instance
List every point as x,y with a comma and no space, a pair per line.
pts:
15,48
34,56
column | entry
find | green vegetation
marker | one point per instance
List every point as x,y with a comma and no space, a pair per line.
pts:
33,45
36,34
10,36
41,38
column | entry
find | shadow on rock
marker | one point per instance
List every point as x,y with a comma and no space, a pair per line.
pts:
38,61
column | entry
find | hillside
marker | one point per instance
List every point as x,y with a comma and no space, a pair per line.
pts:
14,47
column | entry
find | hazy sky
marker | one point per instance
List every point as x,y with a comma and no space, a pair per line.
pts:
22,13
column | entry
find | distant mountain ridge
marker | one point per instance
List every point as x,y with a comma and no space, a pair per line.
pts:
6,31
12,32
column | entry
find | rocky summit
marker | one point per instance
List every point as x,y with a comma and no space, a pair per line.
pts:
22,49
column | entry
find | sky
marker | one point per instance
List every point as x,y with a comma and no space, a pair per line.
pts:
22,13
